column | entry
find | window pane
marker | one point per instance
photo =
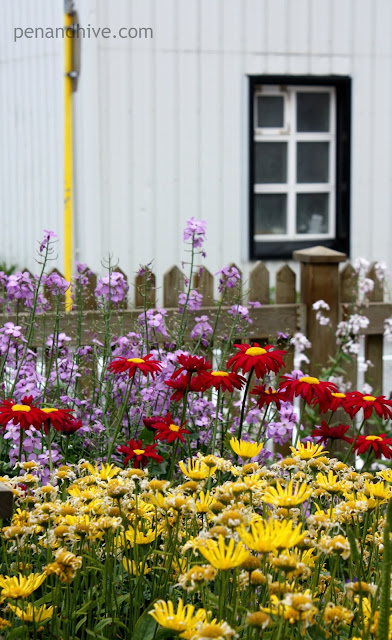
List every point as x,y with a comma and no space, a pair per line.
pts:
312,162
313,111
312,212
270,162
270,112
270,213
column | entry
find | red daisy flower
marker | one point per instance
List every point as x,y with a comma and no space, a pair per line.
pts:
140,454
262,359
334,401
224,380
325,433
145,365
268,396
57,417
150,420
25,414
381,445
181,384
357,400
168,430
308,388
68,428
191,364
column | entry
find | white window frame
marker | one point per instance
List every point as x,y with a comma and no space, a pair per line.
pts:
290,135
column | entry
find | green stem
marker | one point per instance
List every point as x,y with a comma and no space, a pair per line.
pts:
244,403
354,441
119,419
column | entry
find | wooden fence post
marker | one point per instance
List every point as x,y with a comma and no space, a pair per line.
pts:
374,343
6,500
320,281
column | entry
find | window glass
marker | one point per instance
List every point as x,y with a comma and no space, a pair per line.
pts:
270,112
270,213
270,162
312,162
312,213
313,111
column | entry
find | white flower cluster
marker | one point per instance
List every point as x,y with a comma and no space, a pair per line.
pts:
319,306
347,332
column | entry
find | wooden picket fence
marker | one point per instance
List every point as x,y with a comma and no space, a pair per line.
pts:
289,311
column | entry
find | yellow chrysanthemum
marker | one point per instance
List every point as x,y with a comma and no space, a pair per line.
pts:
134,570
264,537
330,483
178,621
214,629
378,491
20,586
138,537
37,615
204,502
289,496
245,450
104,472
386,475
308,451
222,556
196,469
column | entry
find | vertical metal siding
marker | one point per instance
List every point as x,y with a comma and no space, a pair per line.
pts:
159,123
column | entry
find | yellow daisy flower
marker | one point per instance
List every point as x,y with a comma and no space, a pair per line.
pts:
222,556
245,450
20,586
264,537
289,496
196,469
33,614
308,451
178,621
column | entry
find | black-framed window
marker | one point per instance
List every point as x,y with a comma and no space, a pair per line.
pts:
299,177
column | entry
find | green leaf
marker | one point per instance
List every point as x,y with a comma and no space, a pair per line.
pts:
102,624
145,628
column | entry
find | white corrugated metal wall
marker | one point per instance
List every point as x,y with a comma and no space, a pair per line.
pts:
159,124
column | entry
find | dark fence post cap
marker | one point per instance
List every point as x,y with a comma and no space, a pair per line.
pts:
320,255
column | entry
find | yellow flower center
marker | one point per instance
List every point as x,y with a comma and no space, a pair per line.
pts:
369,398
255,351
269,391
21,407
139,452
373,438
309,380
338,395
135,360
219,373
174,427
49,410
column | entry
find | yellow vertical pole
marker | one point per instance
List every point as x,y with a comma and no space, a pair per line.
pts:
68,160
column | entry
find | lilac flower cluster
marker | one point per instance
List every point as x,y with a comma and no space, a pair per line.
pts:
195,232
281,431
55,284
155,320
240,313
113,287
229,277
202,330
194,302
20,287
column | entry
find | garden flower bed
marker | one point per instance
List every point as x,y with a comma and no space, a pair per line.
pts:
186,487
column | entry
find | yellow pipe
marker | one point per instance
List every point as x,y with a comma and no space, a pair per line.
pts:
68,161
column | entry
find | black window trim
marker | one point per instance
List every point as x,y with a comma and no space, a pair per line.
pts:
278,250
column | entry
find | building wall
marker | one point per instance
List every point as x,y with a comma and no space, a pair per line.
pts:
160,125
